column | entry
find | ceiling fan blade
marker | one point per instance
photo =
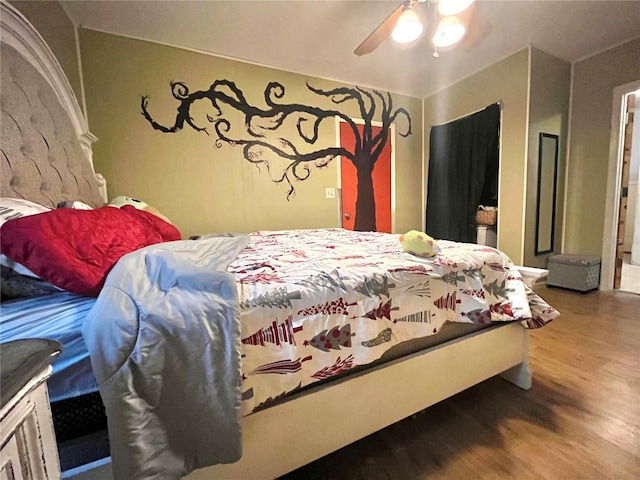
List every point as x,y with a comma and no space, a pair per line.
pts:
381,33
478,28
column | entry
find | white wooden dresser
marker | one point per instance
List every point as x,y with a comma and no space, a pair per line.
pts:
28,444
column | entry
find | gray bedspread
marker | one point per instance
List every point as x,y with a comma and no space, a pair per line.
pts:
164,339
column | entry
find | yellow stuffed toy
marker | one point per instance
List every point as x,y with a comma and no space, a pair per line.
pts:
419,243
139,204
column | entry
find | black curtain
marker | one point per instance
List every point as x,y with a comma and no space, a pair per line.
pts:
463,173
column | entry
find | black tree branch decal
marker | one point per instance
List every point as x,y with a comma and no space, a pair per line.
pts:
259,136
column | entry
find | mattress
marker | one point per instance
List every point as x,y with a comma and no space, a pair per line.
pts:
73,390
58,317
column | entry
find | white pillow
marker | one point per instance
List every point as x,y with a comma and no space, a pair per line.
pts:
11,208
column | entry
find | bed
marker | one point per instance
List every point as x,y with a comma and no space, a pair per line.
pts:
425,328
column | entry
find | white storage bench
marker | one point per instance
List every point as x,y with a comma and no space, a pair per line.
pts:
577,272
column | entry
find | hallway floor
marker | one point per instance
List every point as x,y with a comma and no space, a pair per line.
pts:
630,276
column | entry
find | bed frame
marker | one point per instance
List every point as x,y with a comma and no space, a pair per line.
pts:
447,368
29,170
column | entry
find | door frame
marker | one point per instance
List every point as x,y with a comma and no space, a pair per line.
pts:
614,177
392,135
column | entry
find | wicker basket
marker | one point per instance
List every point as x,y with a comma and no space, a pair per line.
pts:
486,217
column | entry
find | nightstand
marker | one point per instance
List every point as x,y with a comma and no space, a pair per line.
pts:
28,443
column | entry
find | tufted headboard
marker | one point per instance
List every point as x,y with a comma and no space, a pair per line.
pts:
45,144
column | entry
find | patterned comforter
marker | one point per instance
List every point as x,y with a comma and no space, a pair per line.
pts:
316,303
188,336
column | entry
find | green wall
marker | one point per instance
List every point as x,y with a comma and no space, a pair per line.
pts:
533,87
548,113
591,109
203,188
505,81
199,186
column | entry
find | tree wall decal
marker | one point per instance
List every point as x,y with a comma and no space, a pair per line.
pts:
259,135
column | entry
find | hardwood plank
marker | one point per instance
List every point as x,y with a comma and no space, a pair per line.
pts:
581,418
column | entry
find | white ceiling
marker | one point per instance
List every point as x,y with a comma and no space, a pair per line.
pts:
317,38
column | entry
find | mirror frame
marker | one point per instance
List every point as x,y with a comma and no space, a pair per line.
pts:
544,157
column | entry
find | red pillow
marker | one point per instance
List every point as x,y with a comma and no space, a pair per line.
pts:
75,249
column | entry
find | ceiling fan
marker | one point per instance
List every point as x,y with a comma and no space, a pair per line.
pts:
452,21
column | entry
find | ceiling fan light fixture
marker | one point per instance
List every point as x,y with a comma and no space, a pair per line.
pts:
408,27
450,31
452,7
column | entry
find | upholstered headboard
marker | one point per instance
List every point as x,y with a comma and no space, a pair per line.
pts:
45,144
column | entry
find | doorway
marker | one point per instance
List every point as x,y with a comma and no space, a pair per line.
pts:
622,195
463,174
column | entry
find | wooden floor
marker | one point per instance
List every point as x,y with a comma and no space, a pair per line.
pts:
580,420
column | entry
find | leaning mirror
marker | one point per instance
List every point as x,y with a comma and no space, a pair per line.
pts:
547,179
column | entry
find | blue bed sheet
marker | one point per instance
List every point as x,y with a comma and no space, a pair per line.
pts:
58,317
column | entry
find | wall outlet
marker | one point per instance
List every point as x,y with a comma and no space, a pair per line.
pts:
330,192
